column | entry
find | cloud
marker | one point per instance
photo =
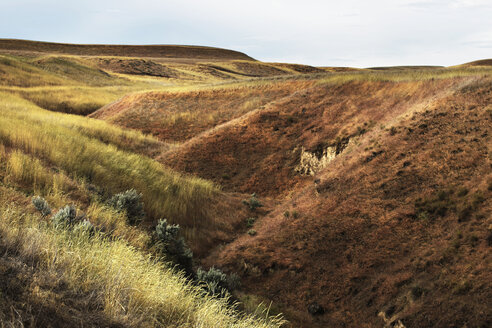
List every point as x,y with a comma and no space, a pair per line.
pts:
470,3
350,32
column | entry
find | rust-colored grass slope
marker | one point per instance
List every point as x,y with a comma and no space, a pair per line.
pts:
154,51
396,229
179,116
259,151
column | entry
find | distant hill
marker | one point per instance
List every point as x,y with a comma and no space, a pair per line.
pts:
152,51
482,62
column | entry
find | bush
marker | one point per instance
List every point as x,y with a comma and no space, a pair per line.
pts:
174,246
253,203
250,222
41,205
216,282
131,203
65,217
84,227
252,232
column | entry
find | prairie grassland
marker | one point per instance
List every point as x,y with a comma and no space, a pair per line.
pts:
130,287
180,114
405,75
80,100
100,154
66,84
19,73
26,170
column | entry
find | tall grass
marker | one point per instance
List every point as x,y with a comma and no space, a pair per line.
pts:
73,145
24,169
18,72
131,287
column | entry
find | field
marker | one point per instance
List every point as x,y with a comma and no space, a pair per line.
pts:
371,188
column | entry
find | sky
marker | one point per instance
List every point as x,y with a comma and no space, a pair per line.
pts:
356,33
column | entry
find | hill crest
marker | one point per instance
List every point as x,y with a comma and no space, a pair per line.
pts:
150,51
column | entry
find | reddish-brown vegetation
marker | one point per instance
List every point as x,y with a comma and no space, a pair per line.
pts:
179,116
375,188
258,152
361,242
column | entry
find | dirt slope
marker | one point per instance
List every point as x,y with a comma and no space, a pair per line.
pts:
396,229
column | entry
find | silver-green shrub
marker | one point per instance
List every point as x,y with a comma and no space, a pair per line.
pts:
41,205
131,203
173,245
65,217
217,282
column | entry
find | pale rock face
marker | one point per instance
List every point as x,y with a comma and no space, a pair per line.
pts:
309,163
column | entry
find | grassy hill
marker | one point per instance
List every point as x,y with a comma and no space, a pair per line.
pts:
154,51
380,181
374,188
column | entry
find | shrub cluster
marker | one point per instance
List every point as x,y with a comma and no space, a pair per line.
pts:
174,246
131,203
65,217
216,282
41,205
253,203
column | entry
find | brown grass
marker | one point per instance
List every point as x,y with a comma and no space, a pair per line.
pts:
156,51
358,245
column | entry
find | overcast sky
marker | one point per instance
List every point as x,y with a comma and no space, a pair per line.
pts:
358,33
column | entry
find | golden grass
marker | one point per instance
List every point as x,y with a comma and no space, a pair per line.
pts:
66,84
95,151
24,169
131,287
114,224
405,75
17,72
76,100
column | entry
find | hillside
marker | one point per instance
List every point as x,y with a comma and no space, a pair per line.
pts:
381,182
397,223
371,202
163,52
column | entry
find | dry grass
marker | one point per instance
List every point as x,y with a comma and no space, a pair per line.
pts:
30,171
403,75
87,150
131,287
180,114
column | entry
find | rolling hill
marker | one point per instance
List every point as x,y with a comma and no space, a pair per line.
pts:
163,52
371,202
